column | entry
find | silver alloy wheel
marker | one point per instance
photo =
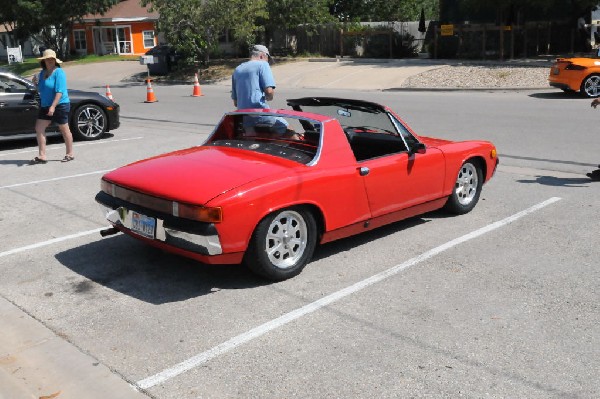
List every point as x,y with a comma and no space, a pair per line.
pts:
91,121
286,239
591,86
466,184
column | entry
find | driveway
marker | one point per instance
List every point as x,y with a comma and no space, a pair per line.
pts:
309,73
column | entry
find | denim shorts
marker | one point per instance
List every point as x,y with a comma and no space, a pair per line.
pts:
61,114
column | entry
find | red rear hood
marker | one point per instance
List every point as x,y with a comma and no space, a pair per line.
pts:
197,175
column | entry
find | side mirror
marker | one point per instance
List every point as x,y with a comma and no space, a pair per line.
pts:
418,148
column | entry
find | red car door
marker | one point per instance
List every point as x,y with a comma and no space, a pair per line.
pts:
397,181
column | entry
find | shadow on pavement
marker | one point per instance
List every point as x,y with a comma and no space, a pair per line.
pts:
574,182
559,95
125,265
133,268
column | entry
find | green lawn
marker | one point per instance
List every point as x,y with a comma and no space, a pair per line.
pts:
31,65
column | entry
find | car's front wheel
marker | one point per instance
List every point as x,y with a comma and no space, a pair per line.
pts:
467,189
89,122
590,86
282,244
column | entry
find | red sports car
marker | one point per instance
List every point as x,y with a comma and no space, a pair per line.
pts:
268,185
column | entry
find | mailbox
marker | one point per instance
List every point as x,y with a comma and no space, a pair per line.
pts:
146,59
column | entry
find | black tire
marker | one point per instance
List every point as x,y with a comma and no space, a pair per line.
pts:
467,189
88,122
282,244
590,87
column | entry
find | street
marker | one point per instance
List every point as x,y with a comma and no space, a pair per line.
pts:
501,302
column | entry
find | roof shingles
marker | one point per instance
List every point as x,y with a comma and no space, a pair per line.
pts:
123,10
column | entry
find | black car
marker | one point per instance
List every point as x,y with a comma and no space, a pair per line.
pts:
92,114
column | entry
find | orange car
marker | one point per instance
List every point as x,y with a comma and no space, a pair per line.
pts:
576,74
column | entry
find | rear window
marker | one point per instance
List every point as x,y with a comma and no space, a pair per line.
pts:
290,138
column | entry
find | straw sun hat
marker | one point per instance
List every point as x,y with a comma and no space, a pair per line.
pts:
49,54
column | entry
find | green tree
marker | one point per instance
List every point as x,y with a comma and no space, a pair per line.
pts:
193,27
287,14
49,21
383,10
349,10
506,11
19,19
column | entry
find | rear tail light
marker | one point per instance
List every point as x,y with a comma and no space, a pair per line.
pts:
574,67
177,209
107,187
198,212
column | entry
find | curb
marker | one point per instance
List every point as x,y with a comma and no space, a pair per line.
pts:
35,361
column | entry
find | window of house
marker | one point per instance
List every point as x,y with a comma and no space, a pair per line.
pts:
80,43
6,39
148,38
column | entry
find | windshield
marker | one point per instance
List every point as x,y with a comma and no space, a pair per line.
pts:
353,116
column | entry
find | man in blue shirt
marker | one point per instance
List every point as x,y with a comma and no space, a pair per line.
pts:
252,85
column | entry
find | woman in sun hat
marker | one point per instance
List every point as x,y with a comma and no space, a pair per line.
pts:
55,105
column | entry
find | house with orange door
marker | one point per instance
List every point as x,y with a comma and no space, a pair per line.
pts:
126,29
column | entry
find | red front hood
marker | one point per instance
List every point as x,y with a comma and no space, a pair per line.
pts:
433,142
197,175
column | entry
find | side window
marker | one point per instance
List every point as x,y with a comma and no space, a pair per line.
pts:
11,86
148,38
406,135
3,84
80,43
367,143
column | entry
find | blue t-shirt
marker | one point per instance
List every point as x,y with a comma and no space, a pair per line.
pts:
249,82
48,87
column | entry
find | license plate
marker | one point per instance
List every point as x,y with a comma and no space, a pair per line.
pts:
556,70
143,225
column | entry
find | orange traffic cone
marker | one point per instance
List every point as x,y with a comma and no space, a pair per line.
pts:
108,93
150,97
197,91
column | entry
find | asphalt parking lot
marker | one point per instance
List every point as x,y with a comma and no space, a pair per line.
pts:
501,302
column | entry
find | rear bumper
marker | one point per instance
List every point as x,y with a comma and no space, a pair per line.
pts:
186,235
562,86
114,120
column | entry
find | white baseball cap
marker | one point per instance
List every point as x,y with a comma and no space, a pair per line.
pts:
262,49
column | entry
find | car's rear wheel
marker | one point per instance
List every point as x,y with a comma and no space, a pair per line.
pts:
467,188
89,122
282,244
590,87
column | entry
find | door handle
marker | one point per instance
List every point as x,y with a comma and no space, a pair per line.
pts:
363,171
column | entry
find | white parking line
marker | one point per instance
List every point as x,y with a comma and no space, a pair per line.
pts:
49,242
75,145
55,179
336,296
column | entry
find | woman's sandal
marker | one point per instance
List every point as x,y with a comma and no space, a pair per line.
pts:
37,160
67,158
